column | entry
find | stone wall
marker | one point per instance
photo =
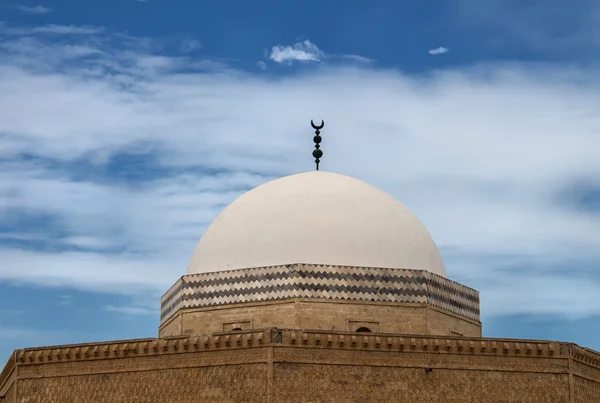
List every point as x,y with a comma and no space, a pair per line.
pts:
586,374
172,327
445,323
586,391
8,378
275,365
224,383
402,318
246,316
9,394
362,383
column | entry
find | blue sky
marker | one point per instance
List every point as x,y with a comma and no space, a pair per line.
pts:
126,126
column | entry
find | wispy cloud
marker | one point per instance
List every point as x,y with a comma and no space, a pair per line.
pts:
188,45
130,310
34,9
305,51
20,337
438,51
12,311
65,299
360,59
53,29
128,160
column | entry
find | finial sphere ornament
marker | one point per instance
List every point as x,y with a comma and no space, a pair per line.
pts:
317,153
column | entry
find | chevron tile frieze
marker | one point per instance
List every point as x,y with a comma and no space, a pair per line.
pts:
319,281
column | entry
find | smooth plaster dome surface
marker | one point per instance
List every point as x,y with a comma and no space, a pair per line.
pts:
316,218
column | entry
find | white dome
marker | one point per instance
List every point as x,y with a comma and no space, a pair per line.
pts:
316,218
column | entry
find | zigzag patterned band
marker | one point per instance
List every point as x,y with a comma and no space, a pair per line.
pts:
319,281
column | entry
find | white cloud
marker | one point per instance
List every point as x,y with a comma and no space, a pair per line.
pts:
189,45
12,311
439,51
25,334
572,301
301,52
65,299
479,154
53,29
14,337
34,9
262,65
359,59
130,310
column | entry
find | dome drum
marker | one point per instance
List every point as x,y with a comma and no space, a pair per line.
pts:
213,302
336,247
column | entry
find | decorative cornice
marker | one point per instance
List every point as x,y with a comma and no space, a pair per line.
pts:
6,373
585,355
140,347
319,281
303,338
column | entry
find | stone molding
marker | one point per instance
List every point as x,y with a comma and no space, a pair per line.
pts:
319,281
7,374
302,338
585,355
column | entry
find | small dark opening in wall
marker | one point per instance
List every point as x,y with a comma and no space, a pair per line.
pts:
363,329
237,329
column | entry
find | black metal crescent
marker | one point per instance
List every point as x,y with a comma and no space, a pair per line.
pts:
317,127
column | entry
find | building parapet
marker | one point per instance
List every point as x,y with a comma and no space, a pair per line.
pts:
6,373
274,337
585,355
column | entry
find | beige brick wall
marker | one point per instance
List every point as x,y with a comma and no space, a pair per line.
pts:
334,383
238,375
234,383
8,377
445,323
305,375
172,327
322,315
257,316
390,318
586,390
586,382
9,397
586,371
285,366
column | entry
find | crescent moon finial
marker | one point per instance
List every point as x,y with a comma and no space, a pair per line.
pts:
317,153
317,127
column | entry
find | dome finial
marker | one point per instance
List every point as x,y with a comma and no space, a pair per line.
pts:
317,153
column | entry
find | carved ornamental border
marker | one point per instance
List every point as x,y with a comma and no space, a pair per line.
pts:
309,338
274,337
319,281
